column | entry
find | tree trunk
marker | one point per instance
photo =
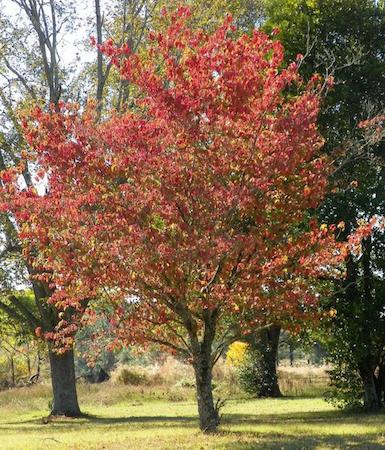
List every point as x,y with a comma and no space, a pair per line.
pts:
270,356
13,371
65,401
264,345
38,364
208,414
371,400
291,354
29,366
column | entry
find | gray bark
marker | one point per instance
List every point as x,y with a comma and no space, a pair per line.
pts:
208,414
65,401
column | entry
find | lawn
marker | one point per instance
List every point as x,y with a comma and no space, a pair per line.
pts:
119,421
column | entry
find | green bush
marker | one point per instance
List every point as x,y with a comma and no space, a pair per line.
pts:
346,390
255,377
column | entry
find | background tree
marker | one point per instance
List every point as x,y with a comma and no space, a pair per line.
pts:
346,38
247,14
31,76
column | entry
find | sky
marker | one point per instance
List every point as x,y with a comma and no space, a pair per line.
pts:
72,48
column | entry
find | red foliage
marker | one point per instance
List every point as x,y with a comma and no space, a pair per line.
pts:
194,200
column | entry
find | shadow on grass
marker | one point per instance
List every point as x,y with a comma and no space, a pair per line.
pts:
189,420
277,418
308,417
279,436
277,441
90,419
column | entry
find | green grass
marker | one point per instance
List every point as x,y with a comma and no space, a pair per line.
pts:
123,419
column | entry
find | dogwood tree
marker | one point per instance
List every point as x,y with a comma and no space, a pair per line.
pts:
190,210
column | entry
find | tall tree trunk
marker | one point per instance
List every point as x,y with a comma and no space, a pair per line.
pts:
264,345
208,414
65,401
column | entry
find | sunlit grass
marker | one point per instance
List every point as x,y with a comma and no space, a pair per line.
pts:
120,418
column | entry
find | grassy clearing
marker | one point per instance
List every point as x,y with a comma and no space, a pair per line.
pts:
122,418
307,381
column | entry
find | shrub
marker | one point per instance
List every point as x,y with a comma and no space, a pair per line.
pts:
255,377
346,390
128,375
